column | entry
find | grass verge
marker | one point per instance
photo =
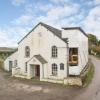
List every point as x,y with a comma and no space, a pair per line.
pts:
89,75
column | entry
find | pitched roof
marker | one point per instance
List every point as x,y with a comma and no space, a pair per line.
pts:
40,58
55,31
73,28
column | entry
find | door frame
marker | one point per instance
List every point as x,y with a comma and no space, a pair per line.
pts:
37,71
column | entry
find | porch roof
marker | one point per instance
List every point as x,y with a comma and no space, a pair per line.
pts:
40,58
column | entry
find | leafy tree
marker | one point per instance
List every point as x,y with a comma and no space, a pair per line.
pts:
99,42
92,39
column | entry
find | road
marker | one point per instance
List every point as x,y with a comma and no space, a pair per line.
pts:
19,89
92,92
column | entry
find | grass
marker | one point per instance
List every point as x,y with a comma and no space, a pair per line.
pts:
89,75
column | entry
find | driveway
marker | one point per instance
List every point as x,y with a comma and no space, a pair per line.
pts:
20,89
92,92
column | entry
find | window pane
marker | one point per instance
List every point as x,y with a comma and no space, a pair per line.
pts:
61,66
27,51
54,69
54,51
73,56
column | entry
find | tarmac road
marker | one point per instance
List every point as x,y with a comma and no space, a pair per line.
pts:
92,92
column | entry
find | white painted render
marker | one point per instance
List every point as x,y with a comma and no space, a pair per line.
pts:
77,39
42,45
40,41
12,58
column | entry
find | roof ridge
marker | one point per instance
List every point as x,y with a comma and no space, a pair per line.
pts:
72,28
54,30
49,26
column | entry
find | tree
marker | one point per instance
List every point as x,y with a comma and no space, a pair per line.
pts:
99,42
92,39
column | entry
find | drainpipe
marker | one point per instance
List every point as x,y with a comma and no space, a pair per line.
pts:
67,45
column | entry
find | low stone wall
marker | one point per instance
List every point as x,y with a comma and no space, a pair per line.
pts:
52,80
73,81
67,81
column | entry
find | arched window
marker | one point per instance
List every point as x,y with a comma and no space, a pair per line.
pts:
54,51
61,66
54,69
27,51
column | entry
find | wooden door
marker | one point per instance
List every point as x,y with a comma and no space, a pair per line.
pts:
37,71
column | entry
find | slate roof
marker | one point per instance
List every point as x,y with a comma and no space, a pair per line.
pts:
40,58
74,28
55,31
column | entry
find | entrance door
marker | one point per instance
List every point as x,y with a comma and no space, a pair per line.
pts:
37,70
10,65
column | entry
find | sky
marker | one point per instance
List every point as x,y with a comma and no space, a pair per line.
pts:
18,17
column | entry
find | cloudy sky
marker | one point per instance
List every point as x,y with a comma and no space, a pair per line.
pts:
17,17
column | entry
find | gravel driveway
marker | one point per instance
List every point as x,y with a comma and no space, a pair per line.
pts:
19,89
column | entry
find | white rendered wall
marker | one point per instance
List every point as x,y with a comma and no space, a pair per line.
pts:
42,45
12,58
77,39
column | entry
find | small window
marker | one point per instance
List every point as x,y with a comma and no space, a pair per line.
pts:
54,51
54,69
25,66
27,51
15,63
73,56
10,65
61,66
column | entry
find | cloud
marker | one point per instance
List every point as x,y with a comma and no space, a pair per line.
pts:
97,2
18,2
22,20
20,26
58,13
92,21
4,39
59,1
10,35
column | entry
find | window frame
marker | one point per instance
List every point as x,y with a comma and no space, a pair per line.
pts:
61,66
15,63
27,51
26,67
54,69
72,54
54,52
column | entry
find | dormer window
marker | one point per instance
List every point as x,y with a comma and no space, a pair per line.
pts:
54,51
27,51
